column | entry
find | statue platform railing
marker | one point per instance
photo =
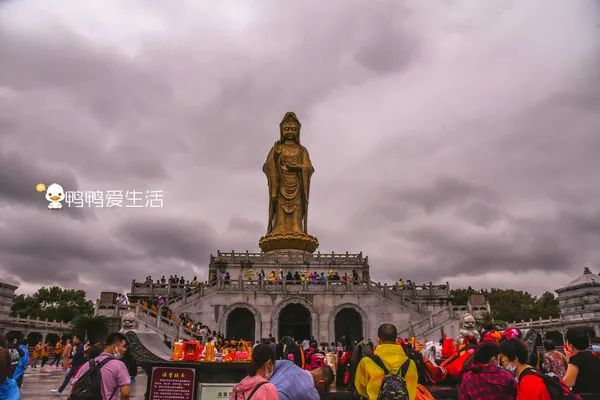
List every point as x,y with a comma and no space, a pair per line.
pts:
289,257
415,298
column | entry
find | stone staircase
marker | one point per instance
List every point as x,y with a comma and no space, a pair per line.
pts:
427,324
146,319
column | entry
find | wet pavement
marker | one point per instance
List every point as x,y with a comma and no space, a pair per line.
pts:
38,382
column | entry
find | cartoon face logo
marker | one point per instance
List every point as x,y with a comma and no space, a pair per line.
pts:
55,194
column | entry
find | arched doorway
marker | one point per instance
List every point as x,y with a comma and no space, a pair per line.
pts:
348,326
295,321
34,338
556,337
240,324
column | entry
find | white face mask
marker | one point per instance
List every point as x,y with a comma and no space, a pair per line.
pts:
511,368
117,354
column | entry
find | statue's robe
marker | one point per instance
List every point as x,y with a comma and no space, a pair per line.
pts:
272,169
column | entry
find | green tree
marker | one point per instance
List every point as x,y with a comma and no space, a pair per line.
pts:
461,296
94,328
53,303
512,305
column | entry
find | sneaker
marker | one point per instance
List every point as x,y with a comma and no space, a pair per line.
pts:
55,392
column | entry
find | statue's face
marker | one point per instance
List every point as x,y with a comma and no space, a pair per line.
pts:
289,131
469,322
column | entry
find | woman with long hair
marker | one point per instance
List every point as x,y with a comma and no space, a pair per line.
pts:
256,386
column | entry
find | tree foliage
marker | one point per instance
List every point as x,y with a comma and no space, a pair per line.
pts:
94,328
512,305
53,303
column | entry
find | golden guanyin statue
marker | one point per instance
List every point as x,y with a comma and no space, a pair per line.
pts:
288,169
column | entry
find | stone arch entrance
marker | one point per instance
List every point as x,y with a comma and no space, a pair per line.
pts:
295,321
556,337
347,321
240,324
241,320
309,319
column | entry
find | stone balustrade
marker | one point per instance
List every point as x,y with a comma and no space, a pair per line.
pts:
290,258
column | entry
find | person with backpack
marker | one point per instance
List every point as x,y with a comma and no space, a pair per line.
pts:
388,373
256,385
513,357
484,379
583,371
104,377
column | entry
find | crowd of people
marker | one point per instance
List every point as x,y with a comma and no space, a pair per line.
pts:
160,307
72,355
500,366
173,280
299,277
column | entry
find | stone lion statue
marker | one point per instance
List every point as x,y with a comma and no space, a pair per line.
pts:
468,328
128,321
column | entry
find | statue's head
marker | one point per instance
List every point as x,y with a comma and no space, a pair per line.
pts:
289,127
128,321
468,321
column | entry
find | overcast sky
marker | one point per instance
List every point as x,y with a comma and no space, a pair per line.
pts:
452,140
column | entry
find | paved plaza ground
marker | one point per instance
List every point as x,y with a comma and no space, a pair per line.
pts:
38,382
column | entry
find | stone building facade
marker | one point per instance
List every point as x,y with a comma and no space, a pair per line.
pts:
328,310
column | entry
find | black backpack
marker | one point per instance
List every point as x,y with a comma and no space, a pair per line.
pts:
89,385
393,386
417,357
556,389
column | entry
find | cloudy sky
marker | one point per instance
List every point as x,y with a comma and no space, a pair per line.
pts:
452,140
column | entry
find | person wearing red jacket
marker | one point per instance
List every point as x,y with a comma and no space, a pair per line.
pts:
513,357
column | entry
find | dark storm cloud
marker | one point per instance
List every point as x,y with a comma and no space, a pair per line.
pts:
451,141
169,238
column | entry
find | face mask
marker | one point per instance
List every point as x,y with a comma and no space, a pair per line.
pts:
511,368
117,354
596,347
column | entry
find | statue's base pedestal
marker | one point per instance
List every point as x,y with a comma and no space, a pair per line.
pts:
288,241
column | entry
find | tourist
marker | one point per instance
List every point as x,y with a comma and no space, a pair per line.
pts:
256,384
8,386
58,349
66,354
369,374
555,362
45,353
595,343
76,362
513,358
584,369
294,383
35,356
485,379
23,361
115,377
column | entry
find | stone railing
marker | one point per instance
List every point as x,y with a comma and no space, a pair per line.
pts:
143,289
427,324
163,325
35,323
289,257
